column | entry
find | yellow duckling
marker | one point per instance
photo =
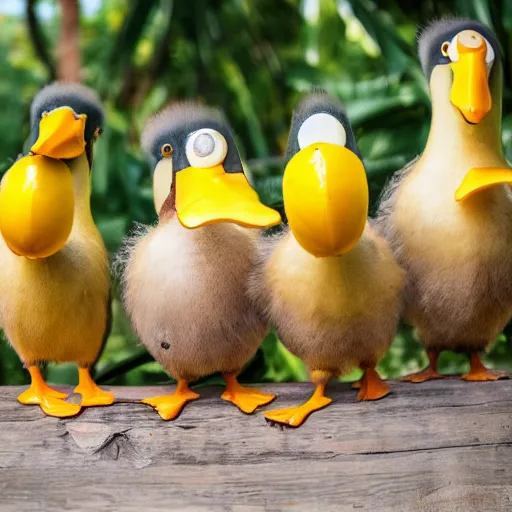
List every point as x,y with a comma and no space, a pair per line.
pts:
329,284
55,287
448,214
185,279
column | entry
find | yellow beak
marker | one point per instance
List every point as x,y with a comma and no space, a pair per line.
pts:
326,198
61,134
36,206
470,91
480,178
208,196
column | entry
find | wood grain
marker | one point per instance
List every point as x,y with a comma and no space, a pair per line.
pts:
435,447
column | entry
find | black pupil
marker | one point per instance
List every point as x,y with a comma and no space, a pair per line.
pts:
167,148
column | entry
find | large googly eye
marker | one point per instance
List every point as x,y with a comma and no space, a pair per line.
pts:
166,150
206,148
452,51
321,128
489,56
470,39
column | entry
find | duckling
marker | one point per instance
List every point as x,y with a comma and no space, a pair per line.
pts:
329,283
448,214
55,288
184,280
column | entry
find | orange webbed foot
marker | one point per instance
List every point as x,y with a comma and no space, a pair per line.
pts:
30,397
423,376
372,386
429,373
479,373
245,398
50,405
169,407
481,376
51,401
296,416
92,395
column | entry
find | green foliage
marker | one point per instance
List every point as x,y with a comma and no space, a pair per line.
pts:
254,59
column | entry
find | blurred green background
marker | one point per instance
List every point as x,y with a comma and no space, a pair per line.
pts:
253,59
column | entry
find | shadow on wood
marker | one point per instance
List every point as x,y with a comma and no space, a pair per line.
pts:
436,447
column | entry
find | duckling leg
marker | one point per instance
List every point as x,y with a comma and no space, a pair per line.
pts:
170,406
296,416
372,386
246,399
478,371
50,400
428,373
91,394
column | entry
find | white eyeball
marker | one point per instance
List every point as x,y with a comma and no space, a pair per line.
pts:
321,128
206,148
489,56
470,39
453,53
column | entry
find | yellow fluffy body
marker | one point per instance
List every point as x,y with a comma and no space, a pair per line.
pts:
335,313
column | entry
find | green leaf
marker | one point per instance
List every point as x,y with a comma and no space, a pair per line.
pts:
396,51
235,82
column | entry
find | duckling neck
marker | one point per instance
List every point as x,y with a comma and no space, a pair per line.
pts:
81,173
456,140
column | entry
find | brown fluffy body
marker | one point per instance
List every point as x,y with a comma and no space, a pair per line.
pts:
184,290
457,255
335,313
55,308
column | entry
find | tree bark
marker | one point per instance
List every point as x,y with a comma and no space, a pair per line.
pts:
37,38
68,52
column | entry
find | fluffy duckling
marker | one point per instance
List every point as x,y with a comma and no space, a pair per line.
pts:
448,214
55,288
185,278
329,284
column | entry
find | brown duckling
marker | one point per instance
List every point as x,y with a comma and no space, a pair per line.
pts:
448,214
185,279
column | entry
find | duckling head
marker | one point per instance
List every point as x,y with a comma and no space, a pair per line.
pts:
198,173
37,194
66,120
325,189
461,60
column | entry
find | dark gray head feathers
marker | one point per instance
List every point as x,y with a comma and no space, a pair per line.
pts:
318,102
437,32
176,123
80,98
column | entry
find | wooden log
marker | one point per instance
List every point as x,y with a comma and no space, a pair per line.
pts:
435,447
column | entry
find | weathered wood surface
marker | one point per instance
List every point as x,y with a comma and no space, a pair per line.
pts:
441,446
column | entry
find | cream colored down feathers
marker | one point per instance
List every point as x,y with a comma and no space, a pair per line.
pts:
185,292
457,255
334,313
